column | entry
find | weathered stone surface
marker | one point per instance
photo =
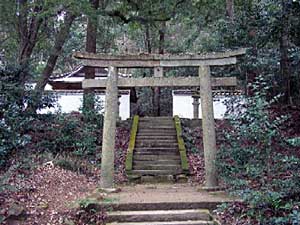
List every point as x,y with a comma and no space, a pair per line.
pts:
196,104
159,215
158,60
181,178
208,126
189,222
160,82
109,130
147,57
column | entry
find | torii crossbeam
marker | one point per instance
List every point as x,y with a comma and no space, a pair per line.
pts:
158,62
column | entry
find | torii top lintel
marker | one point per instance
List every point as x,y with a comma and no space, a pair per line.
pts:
158,60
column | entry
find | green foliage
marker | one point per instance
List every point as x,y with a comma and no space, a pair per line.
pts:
15,122
251,163
69,134
75,133
294,141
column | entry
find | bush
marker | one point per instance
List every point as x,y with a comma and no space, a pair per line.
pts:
14,119
67,134
55,133
251,162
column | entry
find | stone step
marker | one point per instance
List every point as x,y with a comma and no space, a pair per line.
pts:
156,137
156,172
158,161
158,215
157,153
155,157
158,129
155,144
159,123
159,134
207,204
150,118
156,126
189,222
166,148
164,140
156,133
157,167
155,119
171,148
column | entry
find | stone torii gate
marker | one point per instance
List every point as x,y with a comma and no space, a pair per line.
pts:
158,62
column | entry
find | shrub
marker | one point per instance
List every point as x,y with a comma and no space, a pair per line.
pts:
67,134
251,163
14,119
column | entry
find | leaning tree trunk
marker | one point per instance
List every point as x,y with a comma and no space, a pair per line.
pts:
285,67
91,46
27,28
51,62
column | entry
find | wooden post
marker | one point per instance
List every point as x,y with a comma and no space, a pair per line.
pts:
196,104
208,127
109,130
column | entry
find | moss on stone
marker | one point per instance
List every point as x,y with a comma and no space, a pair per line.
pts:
129,156
181,145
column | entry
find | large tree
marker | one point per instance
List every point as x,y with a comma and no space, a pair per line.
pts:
285,64
91,46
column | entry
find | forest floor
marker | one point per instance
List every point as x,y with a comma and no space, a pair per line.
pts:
45,196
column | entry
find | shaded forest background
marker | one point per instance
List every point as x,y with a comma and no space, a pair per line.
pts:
38,38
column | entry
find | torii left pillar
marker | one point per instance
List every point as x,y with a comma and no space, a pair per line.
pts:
109,130
208,127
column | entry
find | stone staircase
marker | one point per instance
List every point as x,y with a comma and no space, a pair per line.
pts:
160,214
156,151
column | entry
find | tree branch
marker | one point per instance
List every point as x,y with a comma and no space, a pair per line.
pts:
143,19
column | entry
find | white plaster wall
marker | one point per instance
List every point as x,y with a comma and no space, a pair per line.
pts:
183,107
69,103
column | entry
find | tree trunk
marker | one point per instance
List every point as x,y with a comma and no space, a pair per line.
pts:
148,39
285,67
27,34
51,62
230,9
156,90
91,46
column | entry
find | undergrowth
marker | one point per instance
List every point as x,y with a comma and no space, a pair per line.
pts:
252,163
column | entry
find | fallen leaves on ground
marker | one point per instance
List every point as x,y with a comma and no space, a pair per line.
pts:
45,196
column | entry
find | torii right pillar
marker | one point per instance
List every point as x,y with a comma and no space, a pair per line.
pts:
208,127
